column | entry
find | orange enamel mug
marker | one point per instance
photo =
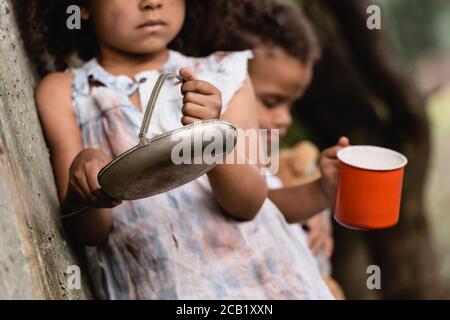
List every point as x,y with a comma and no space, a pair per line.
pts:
369,187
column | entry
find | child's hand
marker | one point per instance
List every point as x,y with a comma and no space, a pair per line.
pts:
201,101
83,178
320,234
329,168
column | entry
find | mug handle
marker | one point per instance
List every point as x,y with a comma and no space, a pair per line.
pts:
151,104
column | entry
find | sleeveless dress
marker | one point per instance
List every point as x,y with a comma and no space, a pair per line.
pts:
322,262
180,244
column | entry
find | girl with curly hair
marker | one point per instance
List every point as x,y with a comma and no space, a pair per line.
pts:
205,240
285,49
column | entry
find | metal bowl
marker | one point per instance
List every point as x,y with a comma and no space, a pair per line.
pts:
150,169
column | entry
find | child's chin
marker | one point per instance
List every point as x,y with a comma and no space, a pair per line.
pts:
151,45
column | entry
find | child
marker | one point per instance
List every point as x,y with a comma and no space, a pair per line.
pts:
208,239
285,50
298,165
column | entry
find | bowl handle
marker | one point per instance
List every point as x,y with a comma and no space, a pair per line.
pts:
151,104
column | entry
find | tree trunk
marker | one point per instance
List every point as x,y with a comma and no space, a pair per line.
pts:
359,91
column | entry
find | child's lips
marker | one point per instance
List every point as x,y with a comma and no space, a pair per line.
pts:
152,25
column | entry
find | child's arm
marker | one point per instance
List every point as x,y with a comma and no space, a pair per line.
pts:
300,203
75,179
239,189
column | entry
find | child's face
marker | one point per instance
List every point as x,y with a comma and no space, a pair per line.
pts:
279,80
136,26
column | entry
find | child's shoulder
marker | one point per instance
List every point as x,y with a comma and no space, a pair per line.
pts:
215,62
55,83
225,70
221,56
54,88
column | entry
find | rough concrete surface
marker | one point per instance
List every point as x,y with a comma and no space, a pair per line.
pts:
34,255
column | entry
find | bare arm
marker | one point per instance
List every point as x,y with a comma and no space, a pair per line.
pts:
63,136
300,203
240,189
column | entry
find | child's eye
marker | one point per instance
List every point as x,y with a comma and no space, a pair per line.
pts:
270,103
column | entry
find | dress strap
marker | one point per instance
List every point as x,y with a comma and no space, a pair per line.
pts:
80,92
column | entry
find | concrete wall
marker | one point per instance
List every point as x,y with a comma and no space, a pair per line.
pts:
34,256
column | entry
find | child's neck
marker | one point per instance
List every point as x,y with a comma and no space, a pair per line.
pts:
121,63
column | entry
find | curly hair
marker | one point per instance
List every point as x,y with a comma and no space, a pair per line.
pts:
47,40
210,25
51,45
234,25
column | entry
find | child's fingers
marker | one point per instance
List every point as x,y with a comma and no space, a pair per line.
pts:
186,120
90,188
343,142
199,86
96,189
328,164
84,186
94,186
188,74
331,152
314,242
75,185
78,181
196,111
196,98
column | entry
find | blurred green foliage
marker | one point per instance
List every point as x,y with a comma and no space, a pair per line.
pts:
416,27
